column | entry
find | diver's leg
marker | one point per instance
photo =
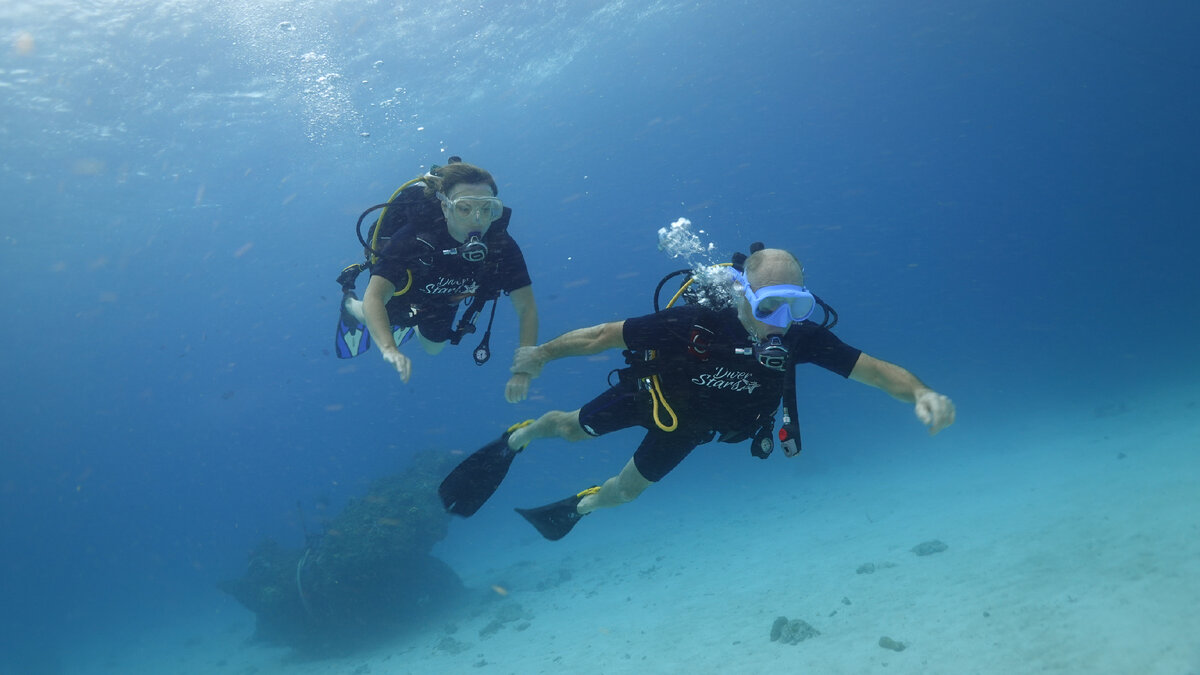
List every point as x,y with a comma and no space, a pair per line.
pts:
658,453
555,423
435,327
620,489
353,306
429,346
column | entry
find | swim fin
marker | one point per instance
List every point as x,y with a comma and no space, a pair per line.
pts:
477,477
555,520
402,335
351,338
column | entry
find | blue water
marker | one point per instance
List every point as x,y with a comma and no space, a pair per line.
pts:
998,195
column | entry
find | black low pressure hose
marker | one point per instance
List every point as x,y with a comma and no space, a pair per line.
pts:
358,228
658,290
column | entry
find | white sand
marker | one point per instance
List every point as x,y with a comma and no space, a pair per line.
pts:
1063,557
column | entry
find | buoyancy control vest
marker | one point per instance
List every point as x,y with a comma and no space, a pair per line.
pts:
646,368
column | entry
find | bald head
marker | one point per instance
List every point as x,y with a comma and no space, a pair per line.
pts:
773,266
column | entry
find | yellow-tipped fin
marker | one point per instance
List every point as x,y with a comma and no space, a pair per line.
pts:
516,426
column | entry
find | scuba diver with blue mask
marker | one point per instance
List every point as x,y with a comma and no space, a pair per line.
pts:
696,373
778,306
441,241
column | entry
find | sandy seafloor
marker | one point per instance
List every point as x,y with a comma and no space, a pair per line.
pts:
1073,547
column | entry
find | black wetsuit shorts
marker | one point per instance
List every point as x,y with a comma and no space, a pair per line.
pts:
624,406
436,321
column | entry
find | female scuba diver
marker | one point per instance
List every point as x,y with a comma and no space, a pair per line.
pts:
442,239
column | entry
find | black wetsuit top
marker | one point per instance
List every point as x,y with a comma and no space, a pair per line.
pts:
711,388
709,384
440,281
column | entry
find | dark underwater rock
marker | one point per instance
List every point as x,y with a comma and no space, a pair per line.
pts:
507,613
791,632
929,547
451,646
367,574
894,645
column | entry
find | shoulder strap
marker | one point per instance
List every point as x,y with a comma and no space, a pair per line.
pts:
405,213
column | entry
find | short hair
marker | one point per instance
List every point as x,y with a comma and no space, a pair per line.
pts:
445,178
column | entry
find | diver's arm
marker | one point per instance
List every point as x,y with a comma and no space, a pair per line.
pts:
933,409
527,316
579,342
379,292
517,387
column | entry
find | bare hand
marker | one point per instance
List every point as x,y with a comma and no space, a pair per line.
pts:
400,362
934,410
517,388
528,360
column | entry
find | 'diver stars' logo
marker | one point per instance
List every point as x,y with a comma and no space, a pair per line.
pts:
444,286
724,378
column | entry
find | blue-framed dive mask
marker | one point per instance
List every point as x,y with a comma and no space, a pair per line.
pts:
479,210
778,306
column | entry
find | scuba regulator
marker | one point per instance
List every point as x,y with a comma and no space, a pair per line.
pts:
473,249
770,353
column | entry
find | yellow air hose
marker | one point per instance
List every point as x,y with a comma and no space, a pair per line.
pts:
379,224
657,399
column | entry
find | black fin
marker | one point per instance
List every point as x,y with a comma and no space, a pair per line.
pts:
555,520
476,479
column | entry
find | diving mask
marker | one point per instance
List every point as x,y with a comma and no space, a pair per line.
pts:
778,306
479,210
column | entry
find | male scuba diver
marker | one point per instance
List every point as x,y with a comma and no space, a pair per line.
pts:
695,374
441,240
